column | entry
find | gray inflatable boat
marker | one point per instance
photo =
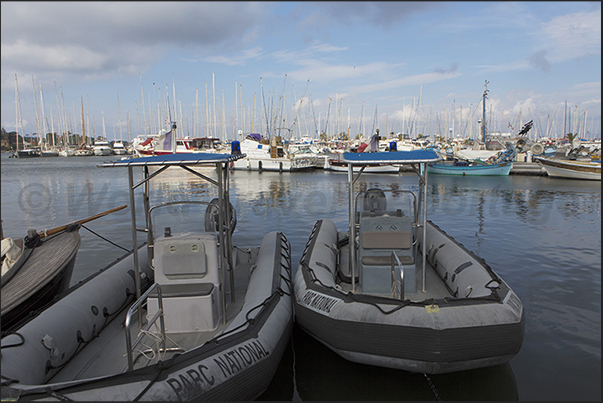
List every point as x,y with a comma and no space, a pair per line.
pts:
394,290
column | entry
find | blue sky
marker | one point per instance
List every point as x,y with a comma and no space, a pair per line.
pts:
414,67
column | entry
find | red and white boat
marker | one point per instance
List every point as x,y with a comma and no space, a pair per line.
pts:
161,144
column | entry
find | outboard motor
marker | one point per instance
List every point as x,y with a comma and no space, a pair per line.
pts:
235,147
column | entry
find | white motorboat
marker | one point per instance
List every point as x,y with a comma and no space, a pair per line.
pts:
102,147
119,148
263,155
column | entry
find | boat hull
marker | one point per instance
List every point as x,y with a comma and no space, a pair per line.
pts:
28,153
274,164
38,277
571,169
431,336
338,166
502,169
102,151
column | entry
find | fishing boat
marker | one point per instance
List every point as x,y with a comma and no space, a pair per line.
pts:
571,169
188,315
499,165
395,290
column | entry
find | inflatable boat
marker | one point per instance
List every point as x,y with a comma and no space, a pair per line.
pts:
188,316
395,290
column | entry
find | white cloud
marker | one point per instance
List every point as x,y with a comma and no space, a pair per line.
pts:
58,57
408,81
240,58
573,35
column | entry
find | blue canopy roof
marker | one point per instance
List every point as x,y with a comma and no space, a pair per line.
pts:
175,159
391,157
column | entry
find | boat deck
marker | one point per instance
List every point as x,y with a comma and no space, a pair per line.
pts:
435,288
38,267
106,354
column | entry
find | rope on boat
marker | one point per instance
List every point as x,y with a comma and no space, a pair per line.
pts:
54,394
105,239
432,386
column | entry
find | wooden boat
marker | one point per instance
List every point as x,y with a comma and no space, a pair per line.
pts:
34,271
37,268
470,169
395,290
571,169
188,316
499,164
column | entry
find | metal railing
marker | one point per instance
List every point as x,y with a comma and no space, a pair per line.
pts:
397,285
159,315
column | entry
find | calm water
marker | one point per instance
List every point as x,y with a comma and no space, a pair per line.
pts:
541,235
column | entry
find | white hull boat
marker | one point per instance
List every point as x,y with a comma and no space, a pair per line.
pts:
189,316
394,290
571,169
119,148
102,148
265,157
332,164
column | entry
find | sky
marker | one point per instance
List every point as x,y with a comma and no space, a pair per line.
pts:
225,69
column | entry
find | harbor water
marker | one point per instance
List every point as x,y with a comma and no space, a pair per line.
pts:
541,235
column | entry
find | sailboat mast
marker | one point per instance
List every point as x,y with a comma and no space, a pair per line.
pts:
119,117
484,113
83,125
43,125
33,84
17,115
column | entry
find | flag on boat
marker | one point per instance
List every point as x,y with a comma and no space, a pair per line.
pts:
164,142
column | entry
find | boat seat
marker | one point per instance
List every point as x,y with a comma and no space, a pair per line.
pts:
386,240
379,236
186,268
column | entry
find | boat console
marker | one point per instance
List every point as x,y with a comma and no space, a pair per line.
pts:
382,232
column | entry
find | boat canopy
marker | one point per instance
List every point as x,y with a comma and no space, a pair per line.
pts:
175,159
392,157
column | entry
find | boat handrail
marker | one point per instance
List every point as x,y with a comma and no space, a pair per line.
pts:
159,315
397,286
